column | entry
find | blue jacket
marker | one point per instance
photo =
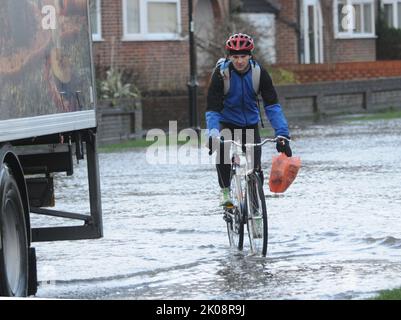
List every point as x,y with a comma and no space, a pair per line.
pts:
239,106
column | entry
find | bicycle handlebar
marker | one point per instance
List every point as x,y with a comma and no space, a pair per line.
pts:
255,144
222,141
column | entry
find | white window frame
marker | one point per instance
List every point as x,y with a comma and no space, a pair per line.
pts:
318,26
143,23
394,3
352,34
98,36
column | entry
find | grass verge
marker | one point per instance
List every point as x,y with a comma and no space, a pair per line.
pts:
386,115
133,144
126,145
394,294
142,143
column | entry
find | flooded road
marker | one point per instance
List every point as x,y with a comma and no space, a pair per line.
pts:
335,233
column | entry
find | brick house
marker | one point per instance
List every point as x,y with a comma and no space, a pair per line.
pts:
322,31
261,16
325,40
312,38
149,38
317,31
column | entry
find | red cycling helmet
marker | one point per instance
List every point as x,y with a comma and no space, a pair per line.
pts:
239,42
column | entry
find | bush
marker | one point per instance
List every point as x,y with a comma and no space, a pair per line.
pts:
282,76
113,88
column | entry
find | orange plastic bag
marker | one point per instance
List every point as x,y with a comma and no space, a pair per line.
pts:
283,173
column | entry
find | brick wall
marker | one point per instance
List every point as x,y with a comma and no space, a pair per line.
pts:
335,50
344,71
156,65
351,50
343,50
286,36
158,111
340,97
298,101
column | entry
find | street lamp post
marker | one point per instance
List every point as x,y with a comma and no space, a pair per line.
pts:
193,83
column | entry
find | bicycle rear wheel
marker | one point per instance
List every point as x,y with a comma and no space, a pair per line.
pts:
256,215
235,216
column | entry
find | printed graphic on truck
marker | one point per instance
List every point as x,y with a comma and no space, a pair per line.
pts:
45,58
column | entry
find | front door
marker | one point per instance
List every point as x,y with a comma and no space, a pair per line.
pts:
312,32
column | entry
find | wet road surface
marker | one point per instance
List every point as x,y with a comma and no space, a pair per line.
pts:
335,234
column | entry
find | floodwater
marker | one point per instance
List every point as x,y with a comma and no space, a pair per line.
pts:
334,234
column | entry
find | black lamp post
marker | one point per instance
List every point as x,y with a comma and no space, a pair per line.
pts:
193,83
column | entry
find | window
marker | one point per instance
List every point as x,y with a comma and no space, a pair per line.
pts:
354,19
392,13
96,21
151,19
388,15
399,14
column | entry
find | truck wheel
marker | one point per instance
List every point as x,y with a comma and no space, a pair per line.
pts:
13,238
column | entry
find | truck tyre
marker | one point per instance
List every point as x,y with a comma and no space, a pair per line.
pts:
13,238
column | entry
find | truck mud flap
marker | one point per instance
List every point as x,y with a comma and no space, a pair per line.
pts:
32,273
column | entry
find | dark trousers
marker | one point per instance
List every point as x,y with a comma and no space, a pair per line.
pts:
249,134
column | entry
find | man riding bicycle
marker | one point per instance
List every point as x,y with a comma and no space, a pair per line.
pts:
232,105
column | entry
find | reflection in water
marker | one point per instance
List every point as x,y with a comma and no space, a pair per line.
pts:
335,234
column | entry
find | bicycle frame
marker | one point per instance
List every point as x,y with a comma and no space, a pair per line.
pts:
249,169
240,213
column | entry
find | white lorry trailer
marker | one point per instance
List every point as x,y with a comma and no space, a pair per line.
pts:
47,117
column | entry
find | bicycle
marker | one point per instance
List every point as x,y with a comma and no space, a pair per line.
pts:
249,204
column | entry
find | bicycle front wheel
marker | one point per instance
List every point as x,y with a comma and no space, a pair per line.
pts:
256,215
234,216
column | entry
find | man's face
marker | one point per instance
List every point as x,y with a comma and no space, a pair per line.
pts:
240,61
